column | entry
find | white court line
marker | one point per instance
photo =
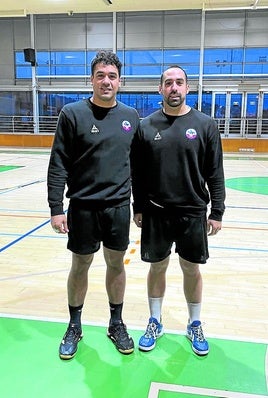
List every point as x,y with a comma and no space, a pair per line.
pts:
156,387
133,327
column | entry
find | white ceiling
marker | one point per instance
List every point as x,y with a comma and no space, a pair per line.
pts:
14,8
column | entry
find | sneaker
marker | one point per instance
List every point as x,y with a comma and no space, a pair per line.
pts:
68,345
148,340
195,334
117,332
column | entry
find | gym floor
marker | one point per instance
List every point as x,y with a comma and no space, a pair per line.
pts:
33,303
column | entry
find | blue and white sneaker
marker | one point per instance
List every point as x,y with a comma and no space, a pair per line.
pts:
195,334
154,330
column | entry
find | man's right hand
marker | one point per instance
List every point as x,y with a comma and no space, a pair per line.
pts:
138,219
59,224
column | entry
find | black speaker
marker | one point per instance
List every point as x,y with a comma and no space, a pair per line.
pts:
29,55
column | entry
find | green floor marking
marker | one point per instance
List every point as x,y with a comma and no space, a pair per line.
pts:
249,184
30,366
7,168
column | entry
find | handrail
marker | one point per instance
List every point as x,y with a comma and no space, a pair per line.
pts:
228,127
25,124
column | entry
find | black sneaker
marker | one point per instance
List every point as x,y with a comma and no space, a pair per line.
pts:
68,345
117,332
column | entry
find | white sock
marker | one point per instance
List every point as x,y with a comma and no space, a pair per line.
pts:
155,305
194,310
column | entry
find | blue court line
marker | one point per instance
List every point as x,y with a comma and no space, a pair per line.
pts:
56,236
6,190
246,249
245,222
247,207
23,210
23,236
130,242
16,277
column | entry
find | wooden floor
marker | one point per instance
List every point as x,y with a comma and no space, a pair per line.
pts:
34,261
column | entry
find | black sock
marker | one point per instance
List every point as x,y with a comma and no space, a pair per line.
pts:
75,315
116,312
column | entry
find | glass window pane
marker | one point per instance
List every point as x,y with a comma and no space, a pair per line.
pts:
179,57
256,68
143,70
265,107
256,54
206,103
42,57
43,70
23,72
143,57
69,57
19,58
223,61
145,103
236,105
252,105
68,70
16,103
192,100
220,106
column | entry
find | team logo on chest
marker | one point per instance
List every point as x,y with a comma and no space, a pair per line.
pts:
126,126
191,134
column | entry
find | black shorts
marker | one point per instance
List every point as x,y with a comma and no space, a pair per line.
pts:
161,228
89,227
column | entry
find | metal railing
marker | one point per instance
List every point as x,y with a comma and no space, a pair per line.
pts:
25,124
228,127
243,127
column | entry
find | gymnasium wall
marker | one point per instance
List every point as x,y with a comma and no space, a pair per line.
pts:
243,145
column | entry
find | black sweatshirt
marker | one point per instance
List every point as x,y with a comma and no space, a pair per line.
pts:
90,155
177,162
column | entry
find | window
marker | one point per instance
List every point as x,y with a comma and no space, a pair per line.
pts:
223,61
217,61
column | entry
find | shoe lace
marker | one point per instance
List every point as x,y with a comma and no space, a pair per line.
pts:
151,330
120,331
198,333
71,335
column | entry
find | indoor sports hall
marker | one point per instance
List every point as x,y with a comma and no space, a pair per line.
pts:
228,75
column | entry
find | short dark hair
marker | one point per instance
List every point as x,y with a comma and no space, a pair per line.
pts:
173,66
107,58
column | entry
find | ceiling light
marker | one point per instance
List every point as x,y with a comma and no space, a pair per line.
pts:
13,13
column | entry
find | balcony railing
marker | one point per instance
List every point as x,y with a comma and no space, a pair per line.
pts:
243,127
25,124
228,127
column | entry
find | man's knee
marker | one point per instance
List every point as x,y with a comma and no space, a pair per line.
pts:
114,258
160,266
81,262
188,267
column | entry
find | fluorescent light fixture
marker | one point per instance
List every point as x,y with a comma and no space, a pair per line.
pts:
13,13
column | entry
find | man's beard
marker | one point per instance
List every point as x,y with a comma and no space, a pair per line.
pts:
174,103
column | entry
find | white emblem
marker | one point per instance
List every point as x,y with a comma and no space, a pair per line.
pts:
157,137
94,130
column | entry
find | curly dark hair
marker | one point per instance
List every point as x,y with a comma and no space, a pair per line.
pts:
106,58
